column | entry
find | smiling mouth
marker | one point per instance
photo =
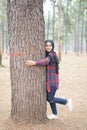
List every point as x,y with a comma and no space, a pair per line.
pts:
48,50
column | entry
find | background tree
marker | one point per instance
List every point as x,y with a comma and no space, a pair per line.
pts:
53,21
86,37
78,28
48,22
0,56
59,30
3,26
3,29
26,37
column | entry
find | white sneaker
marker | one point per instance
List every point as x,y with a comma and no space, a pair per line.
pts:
52,116
69,104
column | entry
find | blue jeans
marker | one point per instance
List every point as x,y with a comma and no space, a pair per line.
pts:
53,100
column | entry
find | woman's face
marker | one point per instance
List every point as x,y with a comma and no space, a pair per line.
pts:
48,46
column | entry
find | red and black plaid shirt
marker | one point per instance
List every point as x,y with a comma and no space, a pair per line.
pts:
51,75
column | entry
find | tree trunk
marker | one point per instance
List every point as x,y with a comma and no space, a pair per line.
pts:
26,37
66,31
53,18
59,30
78,29
48,26
0,56
2,36
82,29
7,44
86,37
75,35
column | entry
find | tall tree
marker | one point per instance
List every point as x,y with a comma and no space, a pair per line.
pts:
26,37
82,26
0,56
66,31
85,30
53,26
78,28
86,37
3,23
59,30
48,24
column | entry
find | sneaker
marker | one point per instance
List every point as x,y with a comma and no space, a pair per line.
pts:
69,104
52,117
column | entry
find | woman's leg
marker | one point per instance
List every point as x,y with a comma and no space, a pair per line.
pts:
53,108
60,100
50,97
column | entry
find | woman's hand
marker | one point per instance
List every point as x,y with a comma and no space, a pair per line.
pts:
30,63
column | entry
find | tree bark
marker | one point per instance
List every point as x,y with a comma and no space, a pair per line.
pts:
26,37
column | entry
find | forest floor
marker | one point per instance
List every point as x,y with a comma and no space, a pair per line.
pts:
73,84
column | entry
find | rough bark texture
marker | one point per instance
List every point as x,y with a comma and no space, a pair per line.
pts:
26,35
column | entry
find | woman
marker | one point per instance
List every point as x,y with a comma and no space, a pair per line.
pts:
52,81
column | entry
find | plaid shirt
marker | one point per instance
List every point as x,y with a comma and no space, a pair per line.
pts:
51,75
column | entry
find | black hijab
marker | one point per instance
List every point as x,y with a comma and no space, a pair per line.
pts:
53,58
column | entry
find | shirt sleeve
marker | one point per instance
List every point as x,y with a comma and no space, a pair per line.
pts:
43,62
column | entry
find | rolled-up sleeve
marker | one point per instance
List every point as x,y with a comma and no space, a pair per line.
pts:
43,62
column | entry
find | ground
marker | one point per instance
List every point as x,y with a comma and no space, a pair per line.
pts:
73,84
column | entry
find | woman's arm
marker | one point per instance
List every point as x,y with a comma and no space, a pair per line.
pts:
30,63
42,62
